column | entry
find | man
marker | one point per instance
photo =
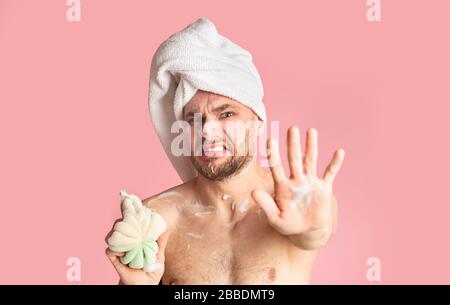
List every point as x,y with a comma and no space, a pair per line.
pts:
232,221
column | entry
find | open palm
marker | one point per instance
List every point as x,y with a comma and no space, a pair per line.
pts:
302,203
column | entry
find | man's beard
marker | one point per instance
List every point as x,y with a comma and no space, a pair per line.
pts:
233,165
226,169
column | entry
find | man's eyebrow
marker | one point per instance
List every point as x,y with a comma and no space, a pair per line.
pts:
222,108
217,109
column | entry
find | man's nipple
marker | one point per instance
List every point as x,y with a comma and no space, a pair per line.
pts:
272,274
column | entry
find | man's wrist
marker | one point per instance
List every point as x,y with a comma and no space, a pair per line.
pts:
311,240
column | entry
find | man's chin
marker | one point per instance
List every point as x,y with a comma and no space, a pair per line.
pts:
219,168
212,159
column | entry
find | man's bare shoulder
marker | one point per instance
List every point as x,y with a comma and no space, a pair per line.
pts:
166,202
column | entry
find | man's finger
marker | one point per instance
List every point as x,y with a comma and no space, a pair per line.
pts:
295,153
162,243
267,204
158,265
311,152
334,166
275,161
114,257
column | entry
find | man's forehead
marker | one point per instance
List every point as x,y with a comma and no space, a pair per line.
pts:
210,100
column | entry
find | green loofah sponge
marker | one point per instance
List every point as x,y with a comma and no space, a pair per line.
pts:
137,233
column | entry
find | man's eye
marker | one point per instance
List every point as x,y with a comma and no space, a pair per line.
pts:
227,114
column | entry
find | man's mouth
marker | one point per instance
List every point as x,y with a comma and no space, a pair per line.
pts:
216,150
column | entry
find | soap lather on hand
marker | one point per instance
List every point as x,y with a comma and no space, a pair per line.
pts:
137,233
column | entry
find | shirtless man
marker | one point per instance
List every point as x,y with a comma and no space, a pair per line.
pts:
236,222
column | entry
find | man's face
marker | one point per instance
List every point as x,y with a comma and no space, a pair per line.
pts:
227,137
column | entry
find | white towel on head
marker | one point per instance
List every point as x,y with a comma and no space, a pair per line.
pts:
198,58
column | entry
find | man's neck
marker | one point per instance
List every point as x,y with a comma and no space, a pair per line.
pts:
233,189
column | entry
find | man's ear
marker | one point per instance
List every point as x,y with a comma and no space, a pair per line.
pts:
259,125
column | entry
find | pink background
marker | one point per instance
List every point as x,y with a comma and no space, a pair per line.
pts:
75,128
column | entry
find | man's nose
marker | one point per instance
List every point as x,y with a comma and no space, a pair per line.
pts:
211,128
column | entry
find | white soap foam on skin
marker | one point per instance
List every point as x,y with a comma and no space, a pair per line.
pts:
202,210
197,205
243,205
303,195
194,235
226,197
197,214
152,267
171,196
195,209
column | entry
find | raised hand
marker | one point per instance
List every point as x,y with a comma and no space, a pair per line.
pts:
302,206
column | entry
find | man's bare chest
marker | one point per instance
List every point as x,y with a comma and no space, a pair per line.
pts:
207,251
